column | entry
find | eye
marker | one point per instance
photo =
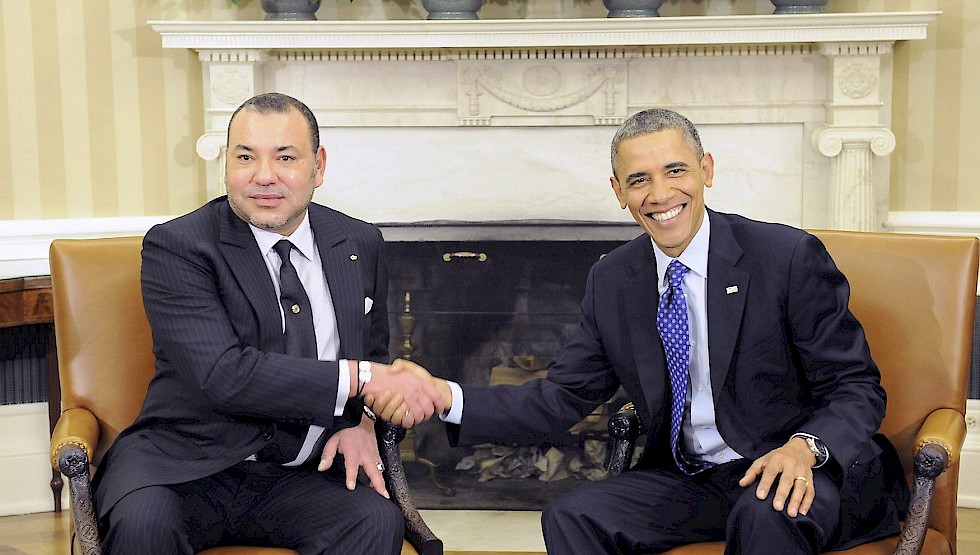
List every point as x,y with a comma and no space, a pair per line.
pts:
636,182
244,157
287,158
674,172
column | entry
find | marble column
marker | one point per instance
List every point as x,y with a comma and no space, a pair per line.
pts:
855,132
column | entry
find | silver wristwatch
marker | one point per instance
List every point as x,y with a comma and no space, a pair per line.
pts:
818,449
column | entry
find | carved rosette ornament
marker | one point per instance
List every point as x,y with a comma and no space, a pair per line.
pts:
852,187
231,85
858,79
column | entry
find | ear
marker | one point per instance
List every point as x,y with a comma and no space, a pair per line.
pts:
319,165
614,183
708,167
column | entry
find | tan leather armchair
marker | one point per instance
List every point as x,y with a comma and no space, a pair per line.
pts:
106,361
915,295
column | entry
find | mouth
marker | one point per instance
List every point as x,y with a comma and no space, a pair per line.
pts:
667,215
266,198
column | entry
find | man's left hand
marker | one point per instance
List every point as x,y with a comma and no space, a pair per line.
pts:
792,465
359,446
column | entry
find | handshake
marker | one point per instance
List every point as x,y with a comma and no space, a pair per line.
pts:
402,393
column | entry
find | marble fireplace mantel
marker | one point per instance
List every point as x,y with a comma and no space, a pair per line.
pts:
510,120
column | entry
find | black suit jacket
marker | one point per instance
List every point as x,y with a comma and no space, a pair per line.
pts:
786,356
221,382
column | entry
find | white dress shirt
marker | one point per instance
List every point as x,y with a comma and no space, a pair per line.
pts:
305,257
699,429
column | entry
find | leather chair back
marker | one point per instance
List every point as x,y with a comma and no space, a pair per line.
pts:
101,328
916,296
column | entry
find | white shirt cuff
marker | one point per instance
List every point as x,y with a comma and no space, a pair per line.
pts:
455,414
343,387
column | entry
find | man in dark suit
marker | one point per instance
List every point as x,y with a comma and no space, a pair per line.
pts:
752,379
247,408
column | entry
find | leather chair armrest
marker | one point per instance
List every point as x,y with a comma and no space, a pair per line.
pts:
417,532
78,427
624,428
946,429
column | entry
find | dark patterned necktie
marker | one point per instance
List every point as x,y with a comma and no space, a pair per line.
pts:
300,337
300,342
675,333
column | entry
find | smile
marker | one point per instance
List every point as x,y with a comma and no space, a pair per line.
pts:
664,216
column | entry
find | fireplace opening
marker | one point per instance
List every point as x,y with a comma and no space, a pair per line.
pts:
486,312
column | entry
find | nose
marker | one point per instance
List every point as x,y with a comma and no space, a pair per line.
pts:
264,173
658,191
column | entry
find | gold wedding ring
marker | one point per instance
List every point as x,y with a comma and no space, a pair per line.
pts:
802,478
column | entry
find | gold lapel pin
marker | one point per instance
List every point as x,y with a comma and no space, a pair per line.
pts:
295,308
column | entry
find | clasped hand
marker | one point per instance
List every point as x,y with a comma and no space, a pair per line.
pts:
404,393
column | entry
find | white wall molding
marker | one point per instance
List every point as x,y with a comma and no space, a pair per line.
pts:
25,472
24,243
969,490
936,222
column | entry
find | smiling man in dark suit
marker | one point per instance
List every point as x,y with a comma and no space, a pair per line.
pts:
752,379
266,310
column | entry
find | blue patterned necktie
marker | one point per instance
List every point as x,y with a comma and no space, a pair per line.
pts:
675,333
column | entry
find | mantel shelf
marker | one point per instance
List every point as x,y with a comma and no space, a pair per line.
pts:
537,33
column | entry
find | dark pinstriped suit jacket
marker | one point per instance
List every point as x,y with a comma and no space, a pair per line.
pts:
221,382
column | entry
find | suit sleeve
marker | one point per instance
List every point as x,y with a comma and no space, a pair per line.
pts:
188,306
580,380
848,400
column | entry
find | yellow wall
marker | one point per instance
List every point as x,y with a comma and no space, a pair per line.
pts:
96,119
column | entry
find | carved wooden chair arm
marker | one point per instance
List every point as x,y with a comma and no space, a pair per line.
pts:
624,428
938,445
416,531
72,444
73,461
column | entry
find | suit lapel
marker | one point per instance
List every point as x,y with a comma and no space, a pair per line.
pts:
727,290
239,249
639,298
340,260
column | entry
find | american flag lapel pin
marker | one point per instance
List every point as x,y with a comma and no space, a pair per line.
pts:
731,289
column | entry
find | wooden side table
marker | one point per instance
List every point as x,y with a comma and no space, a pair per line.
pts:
27,300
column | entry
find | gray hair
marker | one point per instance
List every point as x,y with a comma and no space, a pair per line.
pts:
651,121
280,103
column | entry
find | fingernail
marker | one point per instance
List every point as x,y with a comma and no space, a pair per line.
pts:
350,485
322,466
385,493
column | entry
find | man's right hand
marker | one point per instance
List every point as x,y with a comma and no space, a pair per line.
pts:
403,393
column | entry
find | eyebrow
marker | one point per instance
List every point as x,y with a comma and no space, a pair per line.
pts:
278,149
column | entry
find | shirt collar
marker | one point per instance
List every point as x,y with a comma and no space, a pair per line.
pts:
301,238
695,256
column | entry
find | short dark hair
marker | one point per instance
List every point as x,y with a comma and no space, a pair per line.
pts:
651,121
280,104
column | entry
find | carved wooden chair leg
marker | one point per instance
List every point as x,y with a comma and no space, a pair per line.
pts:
416,530
74,464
